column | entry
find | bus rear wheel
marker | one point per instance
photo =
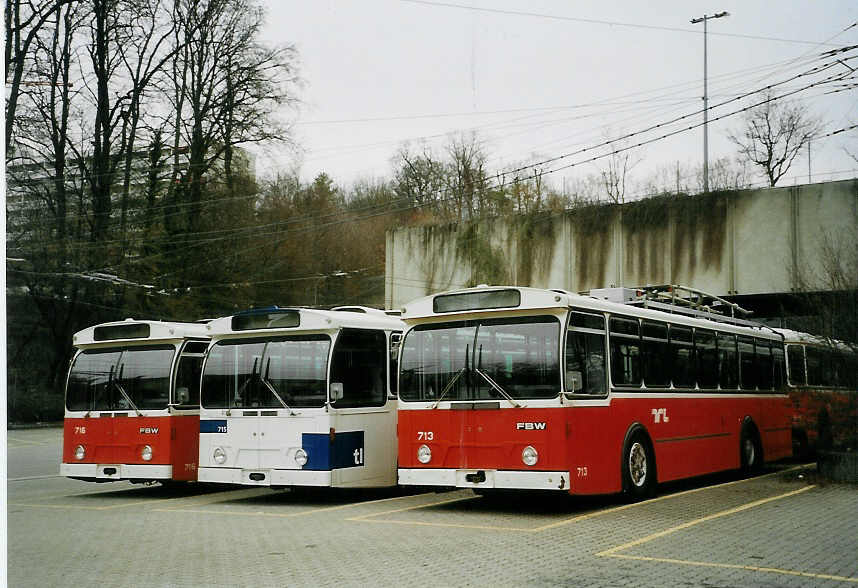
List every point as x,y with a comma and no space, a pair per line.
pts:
751,450
638,467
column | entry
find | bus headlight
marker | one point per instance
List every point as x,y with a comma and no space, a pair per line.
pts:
529,455
79,452
219,455
146,452
424,454
301,457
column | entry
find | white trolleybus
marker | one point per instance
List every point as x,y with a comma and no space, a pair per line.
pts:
300,397
132,402
521,388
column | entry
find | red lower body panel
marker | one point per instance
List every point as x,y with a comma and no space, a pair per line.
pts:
690,437
174,441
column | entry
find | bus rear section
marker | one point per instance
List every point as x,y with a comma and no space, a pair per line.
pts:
520,388
823,389
300,397
132,402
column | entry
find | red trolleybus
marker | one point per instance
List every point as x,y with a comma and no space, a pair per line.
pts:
521,388
133,402
823,386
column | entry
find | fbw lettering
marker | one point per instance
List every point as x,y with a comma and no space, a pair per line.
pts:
530,426
148,430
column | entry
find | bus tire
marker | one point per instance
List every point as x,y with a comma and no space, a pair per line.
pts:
639,474
750,449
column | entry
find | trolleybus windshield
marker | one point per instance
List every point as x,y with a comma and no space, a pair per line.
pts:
486,359
107,379
284,372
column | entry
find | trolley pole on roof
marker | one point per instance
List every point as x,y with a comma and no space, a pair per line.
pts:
704,20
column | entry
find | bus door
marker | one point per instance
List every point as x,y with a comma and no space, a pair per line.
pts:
184,410
363,418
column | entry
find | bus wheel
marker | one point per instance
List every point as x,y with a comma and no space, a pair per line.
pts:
638,467
751,450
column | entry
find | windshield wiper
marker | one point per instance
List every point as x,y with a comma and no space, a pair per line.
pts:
272,390
116,382
452,381
494,384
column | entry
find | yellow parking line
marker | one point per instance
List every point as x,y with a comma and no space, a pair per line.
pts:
740,567
237,494
407,508
130,503
25,442
650,501
368,517
686,525
449,525
260,513
61,506
614,551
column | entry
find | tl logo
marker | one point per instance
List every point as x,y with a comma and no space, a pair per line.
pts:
659,415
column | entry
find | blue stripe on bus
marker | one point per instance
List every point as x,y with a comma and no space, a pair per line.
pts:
347,450
212,426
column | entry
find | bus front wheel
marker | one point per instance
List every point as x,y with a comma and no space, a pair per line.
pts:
638,467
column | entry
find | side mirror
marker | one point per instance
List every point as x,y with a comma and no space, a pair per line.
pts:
574,381
336,391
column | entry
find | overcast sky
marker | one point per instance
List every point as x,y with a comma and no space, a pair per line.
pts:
540,79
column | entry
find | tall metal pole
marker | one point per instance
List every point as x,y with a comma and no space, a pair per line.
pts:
704,19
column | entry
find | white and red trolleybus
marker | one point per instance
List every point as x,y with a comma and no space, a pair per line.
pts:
132,402
521,388
300,397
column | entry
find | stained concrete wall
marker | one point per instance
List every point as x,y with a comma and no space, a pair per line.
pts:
728,243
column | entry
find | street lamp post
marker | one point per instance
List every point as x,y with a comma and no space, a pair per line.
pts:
704,19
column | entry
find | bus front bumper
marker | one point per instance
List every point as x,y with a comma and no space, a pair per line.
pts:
105,472
264,477
495,479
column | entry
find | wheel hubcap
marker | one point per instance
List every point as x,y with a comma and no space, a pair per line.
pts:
637,464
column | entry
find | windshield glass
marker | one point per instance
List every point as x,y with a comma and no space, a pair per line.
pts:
99,376
450,361
241,373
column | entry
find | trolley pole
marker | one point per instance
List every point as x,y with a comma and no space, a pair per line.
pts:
704,20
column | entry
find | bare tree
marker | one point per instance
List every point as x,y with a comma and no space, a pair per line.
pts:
773,135
419,177
615,175
24,21
227,88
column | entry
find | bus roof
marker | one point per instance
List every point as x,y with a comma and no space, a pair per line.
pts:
266,321
492,300
139,332
791,336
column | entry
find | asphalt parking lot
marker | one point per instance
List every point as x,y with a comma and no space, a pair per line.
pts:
784,528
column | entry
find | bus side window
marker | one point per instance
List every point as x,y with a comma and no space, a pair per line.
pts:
682,353
656,354
706,358
728,362
747,364
764,364
625,352
795,361
585,355
779,365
